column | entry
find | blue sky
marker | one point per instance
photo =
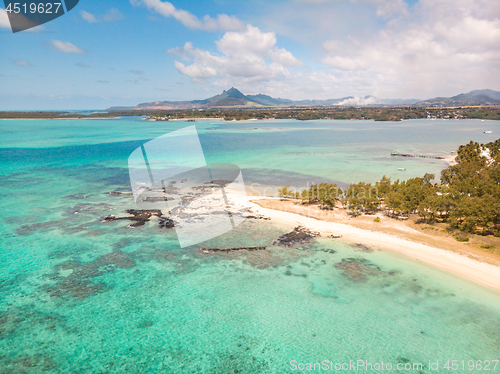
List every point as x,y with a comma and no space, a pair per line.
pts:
112,53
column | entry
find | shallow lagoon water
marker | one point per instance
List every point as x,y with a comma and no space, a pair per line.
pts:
81,296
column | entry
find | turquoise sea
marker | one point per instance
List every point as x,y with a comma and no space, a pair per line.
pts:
81,296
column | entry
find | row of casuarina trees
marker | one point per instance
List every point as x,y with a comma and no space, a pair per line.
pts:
468,196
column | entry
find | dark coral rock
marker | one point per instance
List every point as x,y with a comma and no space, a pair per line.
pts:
140,217
232,249
299,235
165,222
327,250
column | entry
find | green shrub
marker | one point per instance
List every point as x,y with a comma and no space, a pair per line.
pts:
462,239
497,234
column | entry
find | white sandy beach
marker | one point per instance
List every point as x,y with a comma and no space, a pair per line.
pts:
480,272
451,159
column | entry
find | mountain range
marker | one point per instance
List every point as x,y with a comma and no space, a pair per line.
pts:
476,97
234,98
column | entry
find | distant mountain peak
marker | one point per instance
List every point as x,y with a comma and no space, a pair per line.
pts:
233,92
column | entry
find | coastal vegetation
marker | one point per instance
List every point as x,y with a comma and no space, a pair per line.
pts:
377,113
468,197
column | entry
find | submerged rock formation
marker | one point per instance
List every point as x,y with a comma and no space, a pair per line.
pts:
232,249
140,217
363,248
299,235
358,269
165,223
258,216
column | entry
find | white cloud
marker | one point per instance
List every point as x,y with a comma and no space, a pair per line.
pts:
89,17
384,8
20,62
66,47
336,58
111,15
4,19
387,8
195,70
471,33
434,48
359,101
222,22
444,47
246,56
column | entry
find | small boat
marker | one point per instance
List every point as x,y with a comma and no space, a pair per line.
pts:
211,128
488,132
401,169
394,153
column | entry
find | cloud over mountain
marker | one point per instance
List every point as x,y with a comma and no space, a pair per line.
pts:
245,56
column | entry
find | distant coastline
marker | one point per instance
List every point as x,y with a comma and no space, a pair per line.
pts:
376,113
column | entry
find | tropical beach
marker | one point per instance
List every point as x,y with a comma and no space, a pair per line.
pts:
63,261
480,267
224,187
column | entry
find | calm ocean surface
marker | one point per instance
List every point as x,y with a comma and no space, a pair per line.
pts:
81,296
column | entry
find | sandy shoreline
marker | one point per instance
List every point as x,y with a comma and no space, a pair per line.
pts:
451,159
481,272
